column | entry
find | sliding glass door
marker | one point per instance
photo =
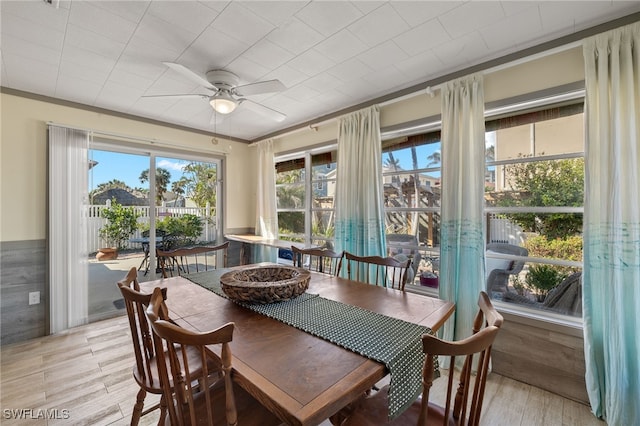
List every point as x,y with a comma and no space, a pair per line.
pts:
139,201
117,211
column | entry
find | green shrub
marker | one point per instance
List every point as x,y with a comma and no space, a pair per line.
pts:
569,248
542,278
122,222
184,229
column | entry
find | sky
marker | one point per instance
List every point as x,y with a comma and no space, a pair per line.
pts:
127,168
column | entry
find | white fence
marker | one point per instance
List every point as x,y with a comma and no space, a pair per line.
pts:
95,222
505,231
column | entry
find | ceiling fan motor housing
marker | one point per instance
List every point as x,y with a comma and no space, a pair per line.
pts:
222,79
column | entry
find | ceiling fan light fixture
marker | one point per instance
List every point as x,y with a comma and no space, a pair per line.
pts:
223,103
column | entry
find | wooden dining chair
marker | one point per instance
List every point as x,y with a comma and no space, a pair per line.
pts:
196,396
146,370
318,260
463,403
187,260
384,271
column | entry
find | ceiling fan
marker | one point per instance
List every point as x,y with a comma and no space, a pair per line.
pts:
227,95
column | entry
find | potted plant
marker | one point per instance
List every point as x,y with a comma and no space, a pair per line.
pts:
429,279
122,222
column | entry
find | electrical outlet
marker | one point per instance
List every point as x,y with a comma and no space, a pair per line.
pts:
34,297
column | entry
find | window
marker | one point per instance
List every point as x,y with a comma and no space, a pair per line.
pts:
534,208
411,177
305,190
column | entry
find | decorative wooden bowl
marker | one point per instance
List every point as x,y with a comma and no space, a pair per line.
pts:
265,284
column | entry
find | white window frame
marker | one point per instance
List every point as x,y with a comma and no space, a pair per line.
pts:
513,108
308,188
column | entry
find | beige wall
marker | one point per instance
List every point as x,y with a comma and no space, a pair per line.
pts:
23,162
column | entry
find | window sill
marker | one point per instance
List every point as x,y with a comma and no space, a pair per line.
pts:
522,315
540,319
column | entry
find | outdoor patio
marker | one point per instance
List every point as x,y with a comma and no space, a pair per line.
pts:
105,300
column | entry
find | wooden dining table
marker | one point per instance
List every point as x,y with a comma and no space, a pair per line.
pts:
301,378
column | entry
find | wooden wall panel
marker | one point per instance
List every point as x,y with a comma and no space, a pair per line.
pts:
536,353
22,270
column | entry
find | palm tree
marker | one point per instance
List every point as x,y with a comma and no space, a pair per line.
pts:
199,183
392,162
162,181
434,158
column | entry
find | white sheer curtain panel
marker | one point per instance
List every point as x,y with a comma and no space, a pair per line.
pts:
359,205
267,216
68,253
462,230
611,284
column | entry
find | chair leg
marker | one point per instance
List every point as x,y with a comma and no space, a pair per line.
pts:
137,409
163,411
144,261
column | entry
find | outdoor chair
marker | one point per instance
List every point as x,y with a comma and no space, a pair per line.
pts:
383,271
167,242
319,260
187,260
499,270
565,298
463,404
195,395
403,246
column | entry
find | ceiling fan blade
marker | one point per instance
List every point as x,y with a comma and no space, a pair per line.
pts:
263,110
197,78
183,96
267,86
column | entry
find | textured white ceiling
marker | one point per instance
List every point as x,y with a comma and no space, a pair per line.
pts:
330,55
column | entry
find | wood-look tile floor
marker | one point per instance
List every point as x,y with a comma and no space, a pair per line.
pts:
83,377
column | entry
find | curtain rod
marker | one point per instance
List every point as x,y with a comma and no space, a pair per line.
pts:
149,141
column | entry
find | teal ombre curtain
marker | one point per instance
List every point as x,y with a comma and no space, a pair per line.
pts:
611,284
359,205
462,230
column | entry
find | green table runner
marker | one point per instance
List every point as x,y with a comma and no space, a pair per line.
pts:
394,342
